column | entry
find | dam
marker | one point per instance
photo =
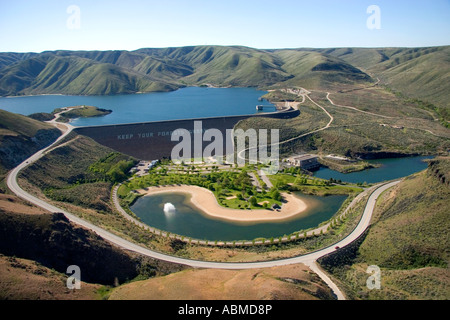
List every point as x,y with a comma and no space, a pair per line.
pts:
152,140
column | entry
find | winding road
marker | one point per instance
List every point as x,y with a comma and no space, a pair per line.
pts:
305,95
308,259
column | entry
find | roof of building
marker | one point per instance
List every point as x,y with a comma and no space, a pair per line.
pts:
304,157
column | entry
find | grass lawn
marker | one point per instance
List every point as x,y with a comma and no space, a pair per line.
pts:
311,185
233,187
234,199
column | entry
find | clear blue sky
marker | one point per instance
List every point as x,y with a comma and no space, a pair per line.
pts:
39,25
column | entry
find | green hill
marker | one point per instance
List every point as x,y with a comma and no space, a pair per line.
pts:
50,73
12,124
20,137
10,58
408,240
419,76
147,70
231,66
422,73
316,70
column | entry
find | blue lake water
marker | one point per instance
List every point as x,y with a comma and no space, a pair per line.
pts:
390,169
186,103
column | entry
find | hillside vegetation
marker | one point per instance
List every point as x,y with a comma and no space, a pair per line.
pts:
148,70
82,173
421,73
20,137
374,124
408,240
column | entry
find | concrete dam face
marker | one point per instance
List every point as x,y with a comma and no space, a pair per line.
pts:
152,140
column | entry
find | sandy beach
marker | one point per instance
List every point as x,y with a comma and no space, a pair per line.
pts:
205,200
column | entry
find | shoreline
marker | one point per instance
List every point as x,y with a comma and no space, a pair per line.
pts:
210,86
206,201
35,95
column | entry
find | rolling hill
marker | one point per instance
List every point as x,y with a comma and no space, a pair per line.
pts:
20,137
320,71
148,70
50,73
421,73
9,58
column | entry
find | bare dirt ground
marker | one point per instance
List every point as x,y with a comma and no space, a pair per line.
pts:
14,204
294,282
22,279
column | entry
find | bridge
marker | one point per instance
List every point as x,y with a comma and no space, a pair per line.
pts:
152,140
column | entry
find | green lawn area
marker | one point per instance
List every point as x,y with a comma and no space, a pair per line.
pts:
235,200
233,187
311,185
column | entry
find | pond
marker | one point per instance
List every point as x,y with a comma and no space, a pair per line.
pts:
175,213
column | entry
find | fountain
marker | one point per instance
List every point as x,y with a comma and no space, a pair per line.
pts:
169,209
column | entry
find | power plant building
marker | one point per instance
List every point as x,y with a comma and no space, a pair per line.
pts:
305,161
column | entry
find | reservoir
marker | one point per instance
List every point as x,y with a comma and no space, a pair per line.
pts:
185,103
189,221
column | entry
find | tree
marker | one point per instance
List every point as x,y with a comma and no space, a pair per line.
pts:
275,194
253,201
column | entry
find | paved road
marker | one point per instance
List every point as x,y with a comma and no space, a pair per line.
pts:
308,259
240,156
265,179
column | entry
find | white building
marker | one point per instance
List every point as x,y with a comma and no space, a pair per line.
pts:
304,161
